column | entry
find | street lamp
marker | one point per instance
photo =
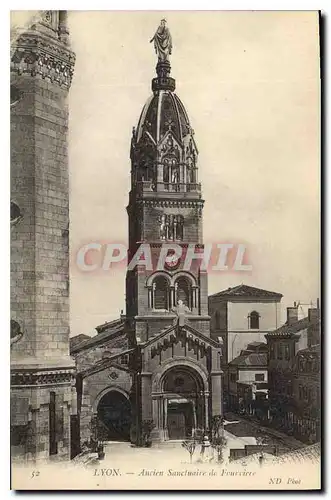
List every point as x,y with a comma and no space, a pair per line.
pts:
260,442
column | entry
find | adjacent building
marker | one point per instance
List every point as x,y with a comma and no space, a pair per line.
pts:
307,394
294,375
248,380
241,315
43,396
104,382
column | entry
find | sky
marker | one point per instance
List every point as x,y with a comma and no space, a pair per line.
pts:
250,85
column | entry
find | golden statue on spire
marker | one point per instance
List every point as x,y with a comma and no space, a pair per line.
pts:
162,42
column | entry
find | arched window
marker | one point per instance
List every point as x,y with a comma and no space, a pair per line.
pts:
161,293
15,213
171,227
15,331
171,175
254,320
183,291
178,223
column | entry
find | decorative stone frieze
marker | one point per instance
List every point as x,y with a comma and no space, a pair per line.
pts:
42,377
37,54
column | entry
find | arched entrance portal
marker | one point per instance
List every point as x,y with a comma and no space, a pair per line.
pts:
184,403
114,416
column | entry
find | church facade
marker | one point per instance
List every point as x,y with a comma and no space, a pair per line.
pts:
172,363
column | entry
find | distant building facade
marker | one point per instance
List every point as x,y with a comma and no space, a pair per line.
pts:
307,394
248,380
294,375
241,315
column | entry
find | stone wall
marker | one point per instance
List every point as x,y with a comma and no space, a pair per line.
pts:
40,242
30,422
41,367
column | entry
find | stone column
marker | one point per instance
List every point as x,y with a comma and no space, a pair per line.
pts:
160,183
63,28
206,426
184,167
172,297
146,396
86,415
216,379
165,420
158,433
194,417
150,297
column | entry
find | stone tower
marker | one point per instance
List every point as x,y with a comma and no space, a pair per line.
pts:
167,305
42,371
165,207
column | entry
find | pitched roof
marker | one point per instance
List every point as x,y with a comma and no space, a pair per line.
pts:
256,343
174,328
314,349
100,338
247,291
78,339
310,453
288,330
257,346
252,359
109,324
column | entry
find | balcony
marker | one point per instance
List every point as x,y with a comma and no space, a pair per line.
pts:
162,188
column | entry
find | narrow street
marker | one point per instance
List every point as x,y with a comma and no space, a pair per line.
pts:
243,427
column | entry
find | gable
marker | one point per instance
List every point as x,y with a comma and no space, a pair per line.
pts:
246,292
97,352
174,331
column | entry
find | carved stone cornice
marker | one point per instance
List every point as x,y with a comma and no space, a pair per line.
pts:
157,244
35,377
35,53
164,203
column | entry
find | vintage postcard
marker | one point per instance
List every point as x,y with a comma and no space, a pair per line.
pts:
165,242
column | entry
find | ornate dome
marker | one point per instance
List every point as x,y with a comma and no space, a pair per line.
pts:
163,150
163,112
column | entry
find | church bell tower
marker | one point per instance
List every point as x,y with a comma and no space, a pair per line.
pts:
165,207
177,382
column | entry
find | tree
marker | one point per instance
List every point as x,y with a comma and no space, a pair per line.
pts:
190,446
147,427
218,440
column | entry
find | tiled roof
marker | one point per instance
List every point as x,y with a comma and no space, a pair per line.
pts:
257,346
247,291
256,343
307,454
101,338
78,339
109,324
253,359
310,453
288,330
314,349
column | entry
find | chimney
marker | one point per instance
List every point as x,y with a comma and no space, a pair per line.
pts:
314,333
292,314
314,313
